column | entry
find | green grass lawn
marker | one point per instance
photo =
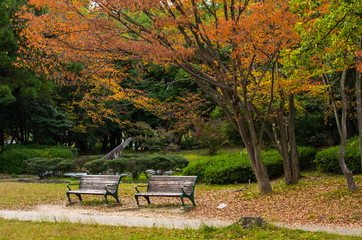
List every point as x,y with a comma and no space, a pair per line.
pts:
12,229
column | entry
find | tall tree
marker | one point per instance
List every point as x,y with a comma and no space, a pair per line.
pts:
331,31
230,48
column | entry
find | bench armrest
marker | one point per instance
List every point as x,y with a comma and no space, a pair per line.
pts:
108,185
182,189
137,186
69,184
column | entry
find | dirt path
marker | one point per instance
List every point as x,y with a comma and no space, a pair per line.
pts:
168,217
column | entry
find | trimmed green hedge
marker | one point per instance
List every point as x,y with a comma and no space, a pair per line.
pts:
232,168
12,159
236,168
327,159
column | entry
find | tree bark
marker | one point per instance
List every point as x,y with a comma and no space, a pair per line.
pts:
342,163
293,154
258,166
284,139
359,97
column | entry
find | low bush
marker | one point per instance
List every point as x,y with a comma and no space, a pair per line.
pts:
197,168
49,166
118,165
12,161
236,168
12,158
224,171
327,159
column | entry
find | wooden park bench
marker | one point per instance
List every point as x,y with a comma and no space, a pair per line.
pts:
168,186
97,185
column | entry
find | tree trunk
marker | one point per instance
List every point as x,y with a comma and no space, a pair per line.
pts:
253,149
359,97
285,141
293,154
259,168
346,172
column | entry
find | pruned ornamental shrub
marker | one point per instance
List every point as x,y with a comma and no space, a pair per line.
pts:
96,166
222,169
44,167
12,158
118,165
226,171
197,168
327,159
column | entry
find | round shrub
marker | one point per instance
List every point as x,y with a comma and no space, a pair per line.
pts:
49,166
41,166
12,161
117,165
226,171
66,165
197,168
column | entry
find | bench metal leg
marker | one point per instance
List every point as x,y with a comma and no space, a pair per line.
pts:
189,197
136,197
193,201
182,200
68,197
78,195
116,199
115,196
105,196
146,197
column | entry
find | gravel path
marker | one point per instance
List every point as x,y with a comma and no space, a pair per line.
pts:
144,218
112,220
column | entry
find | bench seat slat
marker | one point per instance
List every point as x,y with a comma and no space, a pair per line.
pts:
96,185
160,194
87,191
169,186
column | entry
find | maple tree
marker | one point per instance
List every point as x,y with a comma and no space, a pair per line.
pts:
230,48
331,33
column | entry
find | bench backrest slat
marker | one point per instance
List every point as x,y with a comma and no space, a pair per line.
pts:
171,184
97,182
